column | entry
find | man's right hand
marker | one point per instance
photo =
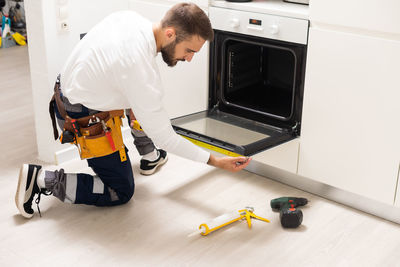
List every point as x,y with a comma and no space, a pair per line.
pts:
232,164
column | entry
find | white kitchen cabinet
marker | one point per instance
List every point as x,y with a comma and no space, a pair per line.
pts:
186,84
350,125
369,15
284,156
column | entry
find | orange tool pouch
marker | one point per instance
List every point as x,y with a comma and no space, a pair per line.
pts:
95,135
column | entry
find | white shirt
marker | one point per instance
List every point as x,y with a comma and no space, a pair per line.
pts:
114,67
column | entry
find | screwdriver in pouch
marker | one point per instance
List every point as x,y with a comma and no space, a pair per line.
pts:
108,135
76,127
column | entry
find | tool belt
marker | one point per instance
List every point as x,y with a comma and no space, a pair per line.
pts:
96,135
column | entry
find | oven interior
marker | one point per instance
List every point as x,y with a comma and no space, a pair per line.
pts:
259,79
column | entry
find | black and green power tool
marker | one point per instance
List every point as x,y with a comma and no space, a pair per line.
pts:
290,216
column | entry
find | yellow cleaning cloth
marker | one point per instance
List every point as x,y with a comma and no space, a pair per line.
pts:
19,39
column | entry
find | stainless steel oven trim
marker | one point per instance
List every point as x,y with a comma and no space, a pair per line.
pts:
223,81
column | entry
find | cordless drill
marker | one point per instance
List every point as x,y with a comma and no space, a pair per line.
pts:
290,216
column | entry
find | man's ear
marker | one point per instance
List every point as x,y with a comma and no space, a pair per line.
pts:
170,33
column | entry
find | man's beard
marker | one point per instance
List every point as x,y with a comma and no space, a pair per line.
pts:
168,52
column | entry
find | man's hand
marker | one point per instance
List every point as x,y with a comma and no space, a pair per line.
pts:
131,117
232,164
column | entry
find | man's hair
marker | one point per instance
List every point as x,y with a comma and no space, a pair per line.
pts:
188,19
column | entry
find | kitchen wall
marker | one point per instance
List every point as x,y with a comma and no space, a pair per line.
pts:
49,46
54,27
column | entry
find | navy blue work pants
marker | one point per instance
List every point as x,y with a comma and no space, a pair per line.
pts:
112,184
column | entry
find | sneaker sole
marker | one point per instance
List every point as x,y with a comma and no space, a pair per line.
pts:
150,172
21,187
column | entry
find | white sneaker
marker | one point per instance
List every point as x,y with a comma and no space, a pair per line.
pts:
148,167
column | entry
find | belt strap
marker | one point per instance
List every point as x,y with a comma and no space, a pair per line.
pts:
56,99
53,118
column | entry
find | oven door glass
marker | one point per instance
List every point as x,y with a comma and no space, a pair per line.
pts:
229,134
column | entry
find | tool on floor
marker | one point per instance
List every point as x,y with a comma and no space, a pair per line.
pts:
226,219
6,33
18,38
290,216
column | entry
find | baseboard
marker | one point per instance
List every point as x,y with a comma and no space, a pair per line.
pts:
376,208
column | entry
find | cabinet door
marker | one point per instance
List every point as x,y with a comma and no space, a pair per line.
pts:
186,84
397,200
371,15
350,132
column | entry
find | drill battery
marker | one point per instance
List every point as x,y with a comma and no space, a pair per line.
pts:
290,217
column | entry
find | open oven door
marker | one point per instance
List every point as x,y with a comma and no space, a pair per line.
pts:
230,134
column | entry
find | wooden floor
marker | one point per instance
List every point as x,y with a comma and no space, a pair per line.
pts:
152,229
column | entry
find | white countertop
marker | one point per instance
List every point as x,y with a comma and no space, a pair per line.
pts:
272,7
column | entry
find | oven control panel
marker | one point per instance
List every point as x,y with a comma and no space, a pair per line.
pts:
262,25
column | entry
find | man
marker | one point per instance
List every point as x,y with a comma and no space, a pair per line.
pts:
114,67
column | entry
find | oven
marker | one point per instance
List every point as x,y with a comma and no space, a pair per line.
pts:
256,83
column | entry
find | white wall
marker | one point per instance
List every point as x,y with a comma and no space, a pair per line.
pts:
49,48
186,84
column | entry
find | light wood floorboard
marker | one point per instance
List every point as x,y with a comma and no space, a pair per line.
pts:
152,229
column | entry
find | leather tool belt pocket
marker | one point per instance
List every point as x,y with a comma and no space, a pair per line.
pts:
100,134
96,135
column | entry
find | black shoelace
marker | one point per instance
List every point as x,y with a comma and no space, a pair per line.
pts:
44,192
